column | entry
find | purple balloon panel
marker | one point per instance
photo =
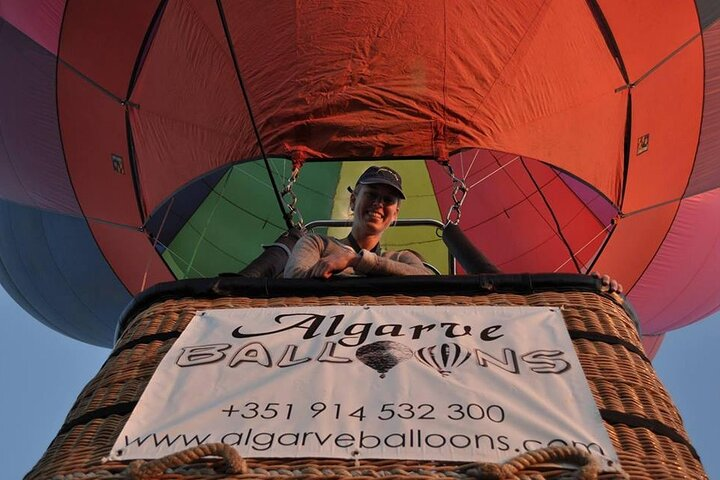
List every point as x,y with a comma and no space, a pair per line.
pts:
38,19
680,286
32,164
706,175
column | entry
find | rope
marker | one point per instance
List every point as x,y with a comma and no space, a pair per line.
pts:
552,214
590,467
258,137
141,470
501,167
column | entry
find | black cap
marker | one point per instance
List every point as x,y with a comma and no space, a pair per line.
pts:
384,176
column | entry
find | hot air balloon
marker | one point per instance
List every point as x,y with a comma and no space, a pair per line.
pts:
443,358
383,355
146,141
142,146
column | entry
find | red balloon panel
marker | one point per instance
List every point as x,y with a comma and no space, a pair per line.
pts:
92,125
131,255
103,39
513,223
192,117
651,344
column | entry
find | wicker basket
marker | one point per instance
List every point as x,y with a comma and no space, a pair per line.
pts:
641,419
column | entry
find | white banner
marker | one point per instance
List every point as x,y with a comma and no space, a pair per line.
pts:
429,383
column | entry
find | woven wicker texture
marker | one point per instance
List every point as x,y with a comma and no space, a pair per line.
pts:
639,415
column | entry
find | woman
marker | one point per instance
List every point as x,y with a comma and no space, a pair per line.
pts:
375,203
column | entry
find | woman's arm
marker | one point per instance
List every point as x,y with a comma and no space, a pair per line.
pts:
399,263
316,257
305,255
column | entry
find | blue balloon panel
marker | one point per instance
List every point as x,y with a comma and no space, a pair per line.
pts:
65,281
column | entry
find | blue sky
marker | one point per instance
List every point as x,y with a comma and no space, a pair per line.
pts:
42,372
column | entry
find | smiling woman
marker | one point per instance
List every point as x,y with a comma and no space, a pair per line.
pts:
375,203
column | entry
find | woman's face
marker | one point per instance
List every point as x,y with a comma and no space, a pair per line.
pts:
374,207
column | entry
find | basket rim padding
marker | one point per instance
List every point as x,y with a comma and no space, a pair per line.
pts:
229,285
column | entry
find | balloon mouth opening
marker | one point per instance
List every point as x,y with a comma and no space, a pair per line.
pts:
218,222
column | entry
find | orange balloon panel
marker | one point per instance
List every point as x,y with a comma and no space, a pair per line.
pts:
665,133
634,242
649,32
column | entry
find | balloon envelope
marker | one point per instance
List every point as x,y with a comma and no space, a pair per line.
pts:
144,141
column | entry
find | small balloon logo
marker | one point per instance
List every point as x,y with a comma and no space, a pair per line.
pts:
443,357
384,355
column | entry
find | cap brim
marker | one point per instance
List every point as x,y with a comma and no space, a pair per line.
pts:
381,181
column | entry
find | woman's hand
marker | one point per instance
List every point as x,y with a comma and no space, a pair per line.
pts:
334,263
610,284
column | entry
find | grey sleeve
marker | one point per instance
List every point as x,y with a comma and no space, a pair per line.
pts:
306,253
399,263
